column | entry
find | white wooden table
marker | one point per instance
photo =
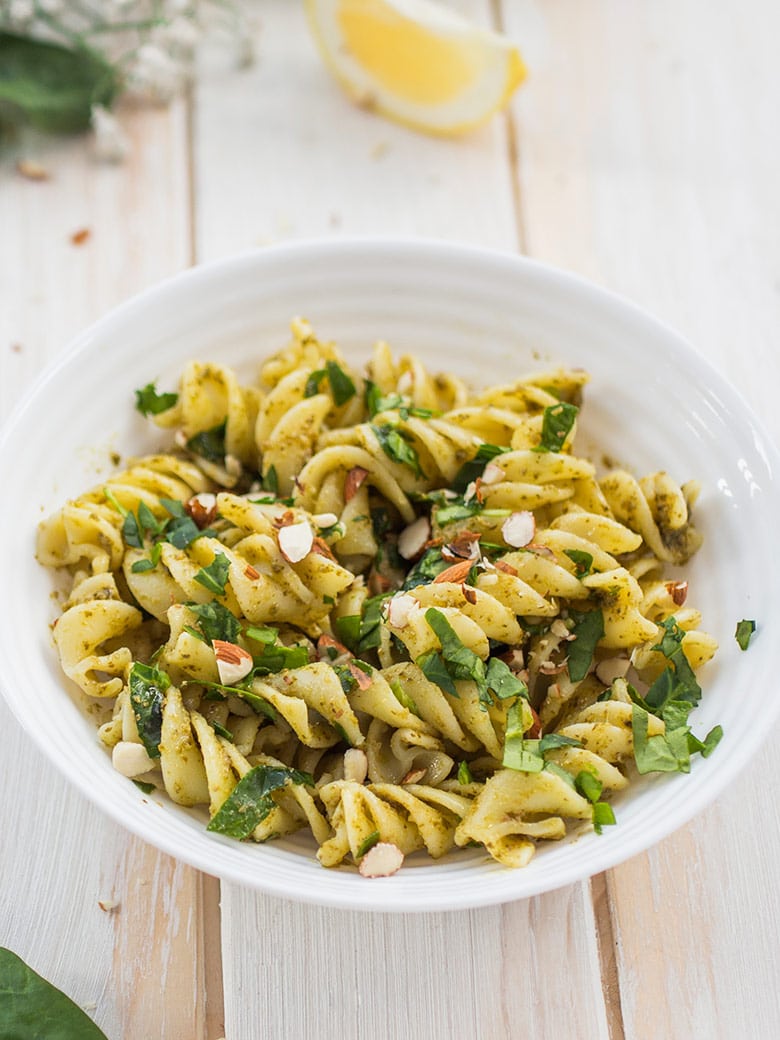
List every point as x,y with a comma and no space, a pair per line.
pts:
643,153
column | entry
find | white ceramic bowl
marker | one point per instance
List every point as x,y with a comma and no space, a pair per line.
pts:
653,403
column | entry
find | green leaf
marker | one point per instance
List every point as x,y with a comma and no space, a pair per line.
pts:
131,533
182,531
475,467
250,801
215,576
348,630
144,786
174,507
221,731
341,386
210,444
678,681
403,698
270,481
557,424
589,785
147,689
149,402
443,515
434,669
550,741
367,843
313,383
425,570
216,621
588,629
31,1007
652,754
502,680
462,663
583,561
603,816
397,448
370,624
52,87
464,774
745,630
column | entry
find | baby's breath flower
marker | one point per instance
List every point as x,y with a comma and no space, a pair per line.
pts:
110,141
155,73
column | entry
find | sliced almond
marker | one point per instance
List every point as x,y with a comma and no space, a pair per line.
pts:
321,547
559,629
233,661
383,860
363,679
251,573
413,776
412,539
457,572
353,481
612,668
493,474
464,547
470,492
295,541
400,608
355,765
506,568
519,529
469,593
330,649
108,906
202,508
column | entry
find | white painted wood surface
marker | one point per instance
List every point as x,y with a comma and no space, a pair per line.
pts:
643,153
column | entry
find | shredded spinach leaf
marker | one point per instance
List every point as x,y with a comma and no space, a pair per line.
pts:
395,445
583,562
215,576
210,444
588,629
475,467
216,621
557,424
149,402
745,630
147,689
250,801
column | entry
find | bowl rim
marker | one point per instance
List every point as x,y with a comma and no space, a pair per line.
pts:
435,250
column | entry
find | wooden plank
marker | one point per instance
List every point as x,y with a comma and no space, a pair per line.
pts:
646,163
61,857
282,155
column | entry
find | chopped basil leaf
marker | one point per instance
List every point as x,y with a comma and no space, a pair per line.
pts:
367,843
710,742
182,531
745,630
395,445
142,565
553,767
656,754
464,774
376,403
588,785
503,681
520,754
250,801
210,444
216,621
174,507
149,402
469,471
550,741
443,515
148,522
131,532
435,670
588,629
221,731
263,635
677,682
370,635
557,423
215,575
348,630
270,481
144,786
111,497
313,383
403,698
583,561
603,816
461,662
147,686
425,570
341,386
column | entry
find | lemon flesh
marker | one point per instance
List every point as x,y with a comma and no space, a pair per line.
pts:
417,62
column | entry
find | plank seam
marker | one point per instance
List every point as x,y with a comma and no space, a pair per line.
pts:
606,943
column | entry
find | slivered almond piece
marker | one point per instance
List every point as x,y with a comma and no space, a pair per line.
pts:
413,776
325,519
353,480
519,529
383,860
612,668
251,573
507,568
355,765
464,547
559,629
321,547
363,679
295,541
130,759
535,730
327,643
400,608
457,572
233,661
678,590
412,539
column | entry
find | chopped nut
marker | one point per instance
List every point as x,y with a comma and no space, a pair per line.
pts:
108,905
678,590
202,508
400,608
78,238
507,568
130,759
457,572
519,529
321,547
559,629
493,474
353,481
383,860
32,170
413,776
233,661
412,539
464,547
363,679
326,644
295,541
325,519
355,765
536,729
470,492
469,593
612,668
251,573
233,465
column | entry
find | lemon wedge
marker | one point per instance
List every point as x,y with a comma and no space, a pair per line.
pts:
416,62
